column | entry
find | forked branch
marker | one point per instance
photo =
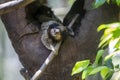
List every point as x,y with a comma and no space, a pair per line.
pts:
13,5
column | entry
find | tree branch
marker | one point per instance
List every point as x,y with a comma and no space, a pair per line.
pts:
13,5
49,59
71,32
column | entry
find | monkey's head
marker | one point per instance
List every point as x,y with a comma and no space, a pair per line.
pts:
55,32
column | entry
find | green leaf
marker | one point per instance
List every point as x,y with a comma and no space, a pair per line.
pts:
109,75
107,38
97,69
116,33
117,46
111,55
118,2
111,25
108,57
101,27
98,3
98,56
104,72
114,43
80,66
86,72
116,62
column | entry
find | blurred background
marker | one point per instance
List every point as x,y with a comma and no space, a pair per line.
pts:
9,62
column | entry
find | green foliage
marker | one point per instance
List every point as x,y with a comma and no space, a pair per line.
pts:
107,65
98,3
80,66
98,57
118,2
111,35
91,69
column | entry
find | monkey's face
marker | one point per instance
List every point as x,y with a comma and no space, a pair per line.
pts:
55,34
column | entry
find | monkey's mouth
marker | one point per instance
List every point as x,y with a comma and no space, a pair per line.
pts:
58,37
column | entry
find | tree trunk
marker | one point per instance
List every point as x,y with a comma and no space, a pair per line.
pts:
26,40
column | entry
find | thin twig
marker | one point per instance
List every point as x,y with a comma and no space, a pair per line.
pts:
49,59
13,5
69,27
73,21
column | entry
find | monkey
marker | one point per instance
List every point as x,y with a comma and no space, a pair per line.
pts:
56,32
53,32
52,29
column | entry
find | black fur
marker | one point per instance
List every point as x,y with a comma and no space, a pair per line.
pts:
77,8
54,26
41,13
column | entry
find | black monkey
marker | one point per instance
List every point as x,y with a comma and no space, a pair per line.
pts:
57,32
44,15
53,32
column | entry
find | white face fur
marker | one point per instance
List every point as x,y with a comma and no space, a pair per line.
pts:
54,32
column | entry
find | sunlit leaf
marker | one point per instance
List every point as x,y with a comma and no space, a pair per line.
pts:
108,57
98,56
117,46
112,25
109,75
86,72
101,27
104,72
109,31
80,66
118,2
97,69
116,33
116,61
107,38
114,43
111,55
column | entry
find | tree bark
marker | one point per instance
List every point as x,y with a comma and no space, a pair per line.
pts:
26,40
8,6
